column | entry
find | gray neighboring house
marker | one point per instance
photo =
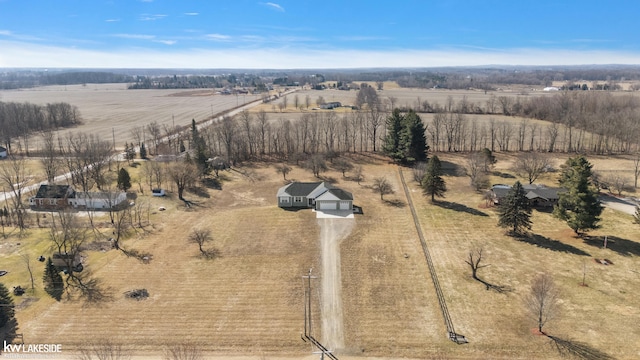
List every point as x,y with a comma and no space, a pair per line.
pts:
538,195
3,152
314,195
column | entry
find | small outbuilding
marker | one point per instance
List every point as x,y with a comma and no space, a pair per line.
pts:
3,152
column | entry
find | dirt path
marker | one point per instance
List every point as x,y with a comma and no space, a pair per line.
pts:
332,232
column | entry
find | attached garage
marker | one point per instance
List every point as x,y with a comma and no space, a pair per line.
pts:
335,199
327,205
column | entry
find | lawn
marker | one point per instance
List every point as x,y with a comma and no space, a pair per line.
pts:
249,300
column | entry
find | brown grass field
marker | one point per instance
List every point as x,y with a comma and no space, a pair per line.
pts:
249,300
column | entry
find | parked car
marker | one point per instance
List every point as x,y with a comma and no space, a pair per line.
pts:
158,192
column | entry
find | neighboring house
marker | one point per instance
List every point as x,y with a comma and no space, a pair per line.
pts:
61,197
538,195
62,261
99,200
52,197
315,195
3,152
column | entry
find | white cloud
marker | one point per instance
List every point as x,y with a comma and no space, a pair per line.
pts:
166,42
21,54
361,38
218,37
135,36
5,33
112,20
274,6
192,14
152,17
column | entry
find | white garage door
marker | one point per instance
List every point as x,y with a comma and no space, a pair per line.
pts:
328,205
344,205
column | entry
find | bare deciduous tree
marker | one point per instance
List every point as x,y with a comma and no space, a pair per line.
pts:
283,169
382,186
15,176
542,300
200,237
183,175
104,350
185,351
531,165
358,174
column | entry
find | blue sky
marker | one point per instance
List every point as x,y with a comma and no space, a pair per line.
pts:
316,34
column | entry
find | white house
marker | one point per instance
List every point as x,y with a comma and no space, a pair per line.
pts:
98,200
3,152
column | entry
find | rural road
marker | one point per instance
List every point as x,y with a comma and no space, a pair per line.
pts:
332,232
7,195
624,205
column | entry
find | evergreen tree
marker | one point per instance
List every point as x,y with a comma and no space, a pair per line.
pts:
515,211
53,283
406,141
143,151
432,182
579,205
182,147
6,306
391,145
124,179
414,138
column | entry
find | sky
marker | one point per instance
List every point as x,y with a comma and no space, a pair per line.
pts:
303,34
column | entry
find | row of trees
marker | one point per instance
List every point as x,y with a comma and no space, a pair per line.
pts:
21,120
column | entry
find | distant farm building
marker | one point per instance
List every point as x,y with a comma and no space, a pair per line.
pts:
551,88
314,195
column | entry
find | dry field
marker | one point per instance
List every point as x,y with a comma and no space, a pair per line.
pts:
249,301
111,106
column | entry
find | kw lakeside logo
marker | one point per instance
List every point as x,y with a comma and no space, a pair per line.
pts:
9,348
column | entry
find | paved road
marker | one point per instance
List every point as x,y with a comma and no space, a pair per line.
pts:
624,205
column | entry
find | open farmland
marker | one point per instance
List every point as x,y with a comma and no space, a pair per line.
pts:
111,107
254,290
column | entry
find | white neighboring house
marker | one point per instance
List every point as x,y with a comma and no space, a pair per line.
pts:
98,200
3,152
158,192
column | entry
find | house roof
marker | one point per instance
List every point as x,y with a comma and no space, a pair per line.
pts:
298,188
2,149
53,191
533,191
341,194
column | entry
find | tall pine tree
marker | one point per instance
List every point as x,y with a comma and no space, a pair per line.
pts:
515,211
143,151
432,182
6,306
124,179
579,205
53,283
406,141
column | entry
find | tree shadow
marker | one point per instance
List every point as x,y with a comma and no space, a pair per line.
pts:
199,192
452,169
395,203
503,175
546,243
143,257
458,207
329,179
578,350
500,289
621,246
212,183
358,210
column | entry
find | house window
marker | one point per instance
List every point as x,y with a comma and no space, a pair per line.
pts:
284,199
298,199
52,201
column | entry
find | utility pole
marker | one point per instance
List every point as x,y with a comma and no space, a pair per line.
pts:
307,305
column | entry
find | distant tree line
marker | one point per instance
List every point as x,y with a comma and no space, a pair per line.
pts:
20,120
26,79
